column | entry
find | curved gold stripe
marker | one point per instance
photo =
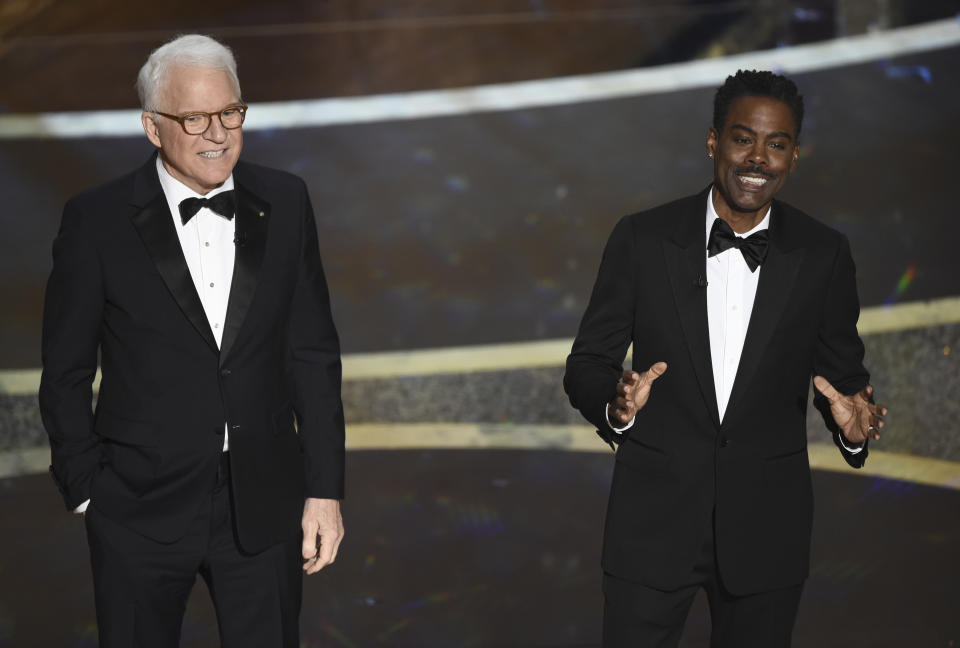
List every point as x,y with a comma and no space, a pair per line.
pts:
708,72
541,353
581,438
568,438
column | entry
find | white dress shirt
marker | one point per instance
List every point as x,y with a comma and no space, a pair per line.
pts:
731,289
207,244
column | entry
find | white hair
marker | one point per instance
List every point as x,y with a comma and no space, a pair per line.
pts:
191,50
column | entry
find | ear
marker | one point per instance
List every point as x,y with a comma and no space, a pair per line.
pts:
150,127
712,139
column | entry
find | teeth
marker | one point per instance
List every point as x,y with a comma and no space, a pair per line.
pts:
756,182
212,154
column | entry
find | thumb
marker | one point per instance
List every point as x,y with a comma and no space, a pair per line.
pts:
825,388
309,547
655,371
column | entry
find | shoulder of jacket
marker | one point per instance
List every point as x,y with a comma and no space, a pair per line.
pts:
256,176
811,227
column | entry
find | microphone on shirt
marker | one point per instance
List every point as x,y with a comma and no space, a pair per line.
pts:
240,239
700,282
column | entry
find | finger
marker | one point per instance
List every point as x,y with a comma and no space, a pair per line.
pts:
655,371
326,553
318,561
630,377
825,388
323,559
336,544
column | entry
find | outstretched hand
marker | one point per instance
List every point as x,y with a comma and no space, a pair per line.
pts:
633,390
857,417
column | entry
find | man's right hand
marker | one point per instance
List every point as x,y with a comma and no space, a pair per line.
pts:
633,390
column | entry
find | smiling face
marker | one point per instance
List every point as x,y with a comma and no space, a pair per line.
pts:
752,157
201,162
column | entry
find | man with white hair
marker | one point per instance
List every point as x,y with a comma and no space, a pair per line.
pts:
217,442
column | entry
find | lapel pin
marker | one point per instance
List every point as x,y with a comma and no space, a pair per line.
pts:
261,214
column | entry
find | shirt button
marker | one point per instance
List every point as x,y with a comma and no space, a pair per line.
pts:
206,244
216,325
734,307
211,284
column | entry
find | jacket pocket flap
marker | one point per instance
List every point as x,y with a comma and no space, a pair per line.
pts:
124,430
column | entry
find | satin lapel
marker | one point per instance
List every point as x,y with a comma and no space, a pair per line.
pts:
253,214
685,256
777,278
155,226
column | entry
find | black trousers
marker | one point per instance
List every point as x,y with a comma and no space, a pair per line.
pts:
637,616
141,586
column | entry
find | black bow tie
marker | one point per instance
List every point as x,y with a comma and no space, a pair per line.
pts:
224,203
753,248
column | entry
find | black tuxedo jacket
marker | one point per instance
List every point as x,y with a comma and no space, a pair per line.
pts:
148,455
679,466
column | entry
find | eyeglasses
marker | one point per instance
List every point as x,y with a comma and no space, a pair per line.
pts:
196,123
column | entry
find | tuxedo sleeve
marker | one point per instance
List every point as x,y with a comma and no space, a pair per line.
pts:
72,318
316,367
595,363
840,351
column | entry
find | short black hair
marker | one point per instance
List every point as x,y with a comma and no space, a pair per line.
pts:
754,83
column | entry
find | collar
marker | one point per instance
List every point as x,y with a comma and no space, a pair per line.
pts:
712,216
175,191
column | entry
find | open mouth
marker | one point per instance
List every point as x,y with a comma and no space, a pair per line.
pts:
752,181
213,155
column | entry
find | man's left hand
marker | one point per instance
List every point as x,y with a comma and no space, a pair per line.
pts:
321,518
858,418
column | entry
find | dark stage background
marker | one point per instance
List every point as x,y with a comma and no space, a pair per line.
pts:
486,228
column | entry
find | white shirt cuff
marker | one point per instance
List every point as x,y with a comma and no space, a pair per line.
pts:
618,430
854,450
82,508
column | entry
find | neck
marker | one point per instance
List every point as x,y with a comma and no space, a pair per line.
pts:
739,221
